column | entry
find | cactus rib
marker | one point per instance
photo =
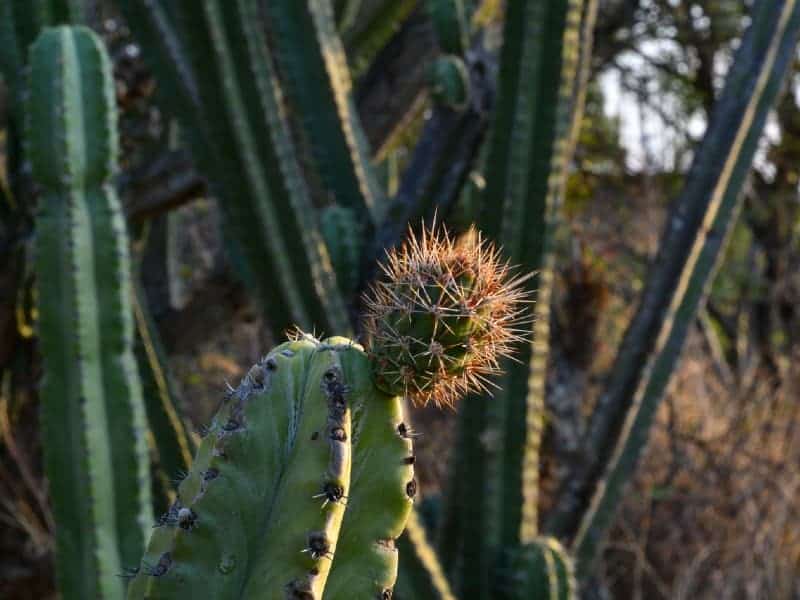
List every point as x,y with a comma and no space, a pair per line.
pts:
259,513
91,394
312,59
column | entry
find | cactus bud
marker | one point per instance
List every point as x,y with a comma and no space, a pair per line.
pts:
444,315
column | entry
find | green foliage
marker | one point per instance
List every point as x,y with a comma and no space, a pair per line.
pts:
93,418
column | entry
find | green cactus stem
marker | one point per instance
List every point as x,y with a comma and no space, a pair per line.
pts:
450,24
311,56
446,313
541,569
382,491
421,575
214,71
93,418
342,232
448,80
259,513
271,506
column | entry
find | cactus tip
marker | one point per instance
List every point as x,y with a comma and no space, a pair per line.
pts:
445,313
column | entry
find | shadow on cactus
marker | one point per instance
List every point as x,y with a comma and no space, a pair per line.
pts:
305,477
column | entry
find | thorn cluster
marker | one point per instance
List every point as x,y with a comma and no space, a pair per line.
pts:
444,314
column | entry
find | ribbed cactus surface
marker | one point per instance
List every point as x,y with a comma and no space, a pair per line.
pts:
540,570
92,413
260,512
444,315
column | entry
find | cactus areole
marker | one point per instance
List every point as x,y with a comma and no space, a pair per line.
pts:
305,477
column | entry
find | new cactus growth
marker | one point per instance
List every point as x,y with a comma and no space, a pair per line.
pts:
305,478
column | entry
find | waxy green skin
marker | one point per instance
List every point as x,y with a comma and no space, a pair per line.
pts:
92,413
263,524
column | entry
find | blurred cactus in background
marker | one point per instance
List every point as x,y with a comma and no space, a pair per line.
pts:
303,484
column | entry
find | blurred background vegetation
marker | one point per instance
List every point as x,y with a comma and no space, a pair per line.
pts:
713,508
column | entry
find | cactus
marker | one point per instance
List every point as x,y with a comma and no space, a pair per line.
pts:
541,569
273,475
214,66
469,309
450,24
173,443
342,233
311,56
421,576
305,478
92,412
275,466
448,80
536,78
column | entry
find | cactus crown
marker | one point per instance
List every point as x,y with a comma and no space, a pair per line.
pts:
445,313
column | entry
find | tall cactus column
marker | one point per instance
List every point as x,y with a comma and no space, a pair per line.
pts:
92,414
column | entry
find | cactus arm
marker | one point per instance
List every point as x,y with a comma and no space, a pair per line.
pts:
382,490
20,23
713,190
91,395
341,231
322,456
210,55
311,56
536,75
364,43
254,487
544,113
420,575
534,376
229,102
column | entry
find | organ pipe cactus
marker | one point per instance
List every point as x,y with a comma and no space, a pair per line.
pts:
305,478
92,412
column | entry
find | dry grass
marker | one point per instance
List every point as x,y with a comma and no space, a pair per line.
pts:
713,511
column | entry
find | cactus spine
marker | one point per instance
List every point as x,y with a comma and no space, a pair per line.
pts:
92,412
